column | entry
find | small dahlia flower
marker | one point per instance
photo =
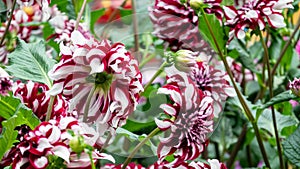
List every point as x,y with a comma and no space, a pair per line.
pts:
34,96
213,82
211,164
254,14
43,5
107,73
191,118
63,27
52,139
295,86
298,48
241,75
177,24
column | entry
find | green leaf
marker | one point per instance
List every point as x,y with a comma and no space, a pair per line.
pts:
16,114
217,30
139,128
282,97
30,62
95,15
265,121
291,147
126,15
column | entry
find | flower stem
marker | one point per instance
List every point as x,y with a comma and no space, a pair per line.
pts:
153,133
87,104
135,29
146,60
270,82
91,159
9,22
240,97
159,71
285,48
80,14
50,108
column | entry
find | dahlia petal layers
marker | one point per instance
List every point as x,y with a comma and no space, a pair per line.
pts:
177,24
108,71
191,118
52,139
255,13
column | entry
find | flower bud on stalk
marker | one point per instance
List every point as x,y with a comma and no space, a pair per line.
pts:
196,4
295,86
77,144
183,59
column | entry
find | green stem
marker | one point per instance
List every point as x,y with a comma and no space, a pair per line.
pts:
240,97
153,133
87,104
50,108
270,84
80,14
9,22
159,71
146,60
91,159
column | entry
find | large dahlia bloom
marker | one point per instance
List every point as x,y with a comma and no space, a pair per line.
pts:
255,13
177,24
107,73
34,96
213,82
52,139
131,165
211,164
191,118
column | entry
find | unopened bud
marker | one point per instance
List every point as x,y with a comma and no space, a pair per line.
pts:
184,59
196,4
77,144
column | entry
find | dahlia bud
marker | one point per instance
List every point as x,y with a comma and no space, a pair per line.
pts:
77,144
196,4
184,59
295,86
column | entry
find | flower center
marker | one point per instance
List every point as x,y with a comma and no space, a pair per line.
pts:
101,80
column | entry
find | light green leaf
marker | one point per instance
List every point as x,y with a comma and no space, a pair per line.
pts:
95,15
16,114
217,30
291,147
30,62
265,121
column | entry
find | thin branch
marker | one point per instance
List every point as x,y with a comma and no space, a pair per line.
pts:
270,84
80,14
9,22
135,28
50,108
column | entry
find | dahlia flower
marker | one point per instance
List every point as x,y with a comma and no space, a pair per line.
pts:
43,5
213,82
108,72
254,13
63,27
298,48
295,86
52,139
17,29
177,24
192,118
211,164
34,96
240,75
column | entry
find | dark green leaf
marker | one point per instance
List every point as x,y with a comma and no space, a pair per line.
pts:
291,147
126,15
282,97
217,30
139,128
30,62
16,114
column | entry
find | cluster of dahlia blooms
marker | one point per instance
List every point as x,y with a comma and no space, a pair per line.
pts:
106,75
53,139
255,14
